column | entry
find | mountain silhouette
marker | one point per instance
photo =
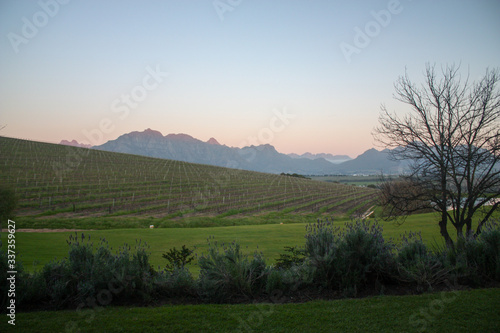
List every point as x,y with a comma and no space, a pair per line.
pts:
262,158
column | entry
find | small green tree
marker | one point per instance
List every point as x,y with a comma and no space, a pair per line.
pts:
8,203
178,258
296,257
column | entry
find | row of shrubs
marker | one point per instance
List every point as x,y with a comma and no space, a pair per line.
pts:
341,261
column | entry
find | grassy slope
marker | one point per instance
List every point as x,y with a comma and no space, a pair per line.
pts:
54,181
465,311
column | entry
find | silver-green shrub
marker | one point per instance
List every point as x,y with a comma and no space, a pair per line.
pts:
347,259
418,266
227,274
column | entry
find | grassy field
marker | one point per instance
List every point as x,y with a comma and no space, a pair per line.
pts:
464,311
55,181
131,222
268,238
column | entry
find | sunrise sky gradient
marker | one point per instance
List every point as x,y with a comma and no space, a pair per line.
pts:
66,68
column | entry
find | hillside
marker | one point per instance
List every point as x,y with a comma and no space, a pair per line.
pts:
262,158
63,181
372,162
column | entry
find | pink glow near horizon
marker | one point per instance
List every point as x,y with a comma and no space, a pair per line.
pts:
181,68
231,141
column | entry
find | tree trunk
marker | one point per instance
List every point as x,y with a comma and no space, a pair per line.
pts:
444,215
460,232
444,231
468,227
486,218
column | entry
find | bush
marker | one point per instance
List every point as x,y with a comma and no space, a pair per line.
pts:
288,281
178,258
478,259
350,259
275,280
364,257
228,274
29,288
59,285
87,277
175,283
490,266
5,284
32,290
412,249
418,266
296,257
321,251
8,203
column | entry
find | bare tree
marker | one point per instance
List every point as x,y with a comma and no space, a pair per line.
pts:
452,138
402,197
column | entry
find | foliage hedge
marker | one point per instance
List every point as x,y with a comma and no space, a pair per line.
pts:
351,261
8,202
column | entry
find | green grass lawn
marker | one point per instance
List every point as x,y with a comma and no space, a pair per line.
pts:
268,238
464,311
128,222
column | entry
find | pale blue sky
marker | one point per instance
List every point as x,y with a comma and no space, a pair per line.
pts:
229,73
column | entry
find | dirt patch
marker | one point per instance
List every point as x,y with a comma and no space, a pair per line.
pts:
45,230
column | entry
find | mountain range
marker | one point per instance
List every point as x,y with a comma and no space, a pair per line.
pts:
335,159
262,158
74,143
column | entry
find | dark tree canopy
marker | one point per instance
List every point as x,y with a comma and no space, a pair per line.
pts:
8,203
452,138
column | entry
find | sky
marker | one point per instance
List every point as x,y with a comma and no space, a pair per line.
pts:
301,75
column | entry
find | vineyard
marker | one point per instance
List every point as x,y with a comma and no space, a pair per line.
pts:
62,181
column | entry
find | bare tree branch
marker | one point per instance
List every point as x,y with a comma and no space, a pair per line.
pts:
452,137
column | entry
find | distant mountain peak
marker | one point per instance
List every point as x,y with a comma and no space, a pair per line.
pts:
265,147
371,152
213,141
181,137
74,143
149,131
